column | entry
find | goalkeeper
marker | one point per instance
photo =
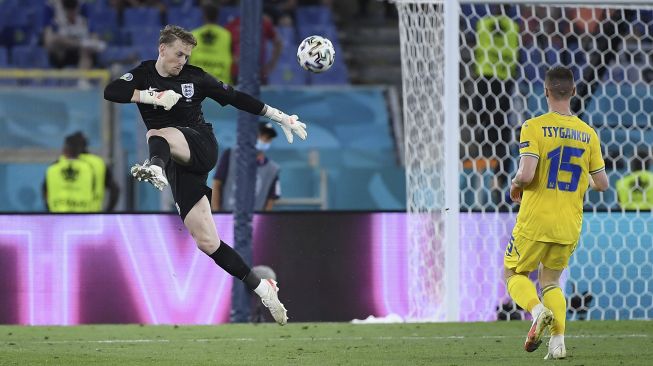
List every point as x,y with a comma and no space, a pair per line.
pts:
183,148
559,156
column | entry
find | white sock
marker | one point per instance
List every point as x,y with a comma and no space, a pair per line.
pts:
262,288
537,310
557,340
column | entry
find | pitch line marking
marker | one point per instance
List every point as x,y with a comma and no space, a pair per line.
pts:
329,339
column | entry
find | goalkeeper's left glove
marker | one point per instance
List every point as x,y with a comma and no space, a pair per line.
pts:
288,124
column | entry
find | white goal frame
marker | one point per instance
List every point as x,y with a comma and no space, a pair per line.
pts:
447,210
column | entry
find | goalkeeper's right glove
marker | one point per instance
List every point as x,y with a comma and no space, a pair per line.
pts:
165,99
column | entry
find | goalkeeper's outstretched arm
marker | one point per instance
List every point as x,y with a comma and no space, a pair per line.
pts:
225,94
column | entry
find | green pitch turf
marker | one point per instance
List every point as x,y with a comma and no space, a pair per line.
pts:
588,343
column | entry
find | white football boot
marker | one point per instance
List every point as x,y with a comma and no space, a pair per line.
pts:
557,349
150,173
542,318
270,300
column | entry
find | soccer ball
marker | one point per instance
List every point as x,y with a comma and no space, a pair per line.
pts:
316,54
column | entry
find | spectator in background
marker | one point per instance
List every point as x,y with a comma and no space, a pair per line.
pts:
67,37
269,34
496,56
635,190
103,181
268,189
69,182
213,50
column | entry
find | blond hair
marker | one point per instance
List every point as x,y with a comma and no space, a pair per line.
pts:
173,32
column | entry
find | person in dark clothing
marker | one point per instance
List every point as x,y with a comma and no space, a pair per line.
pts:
268,188
183,148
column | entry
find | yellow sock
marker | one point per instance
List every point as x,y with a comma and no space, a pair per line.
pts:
523,292
553,298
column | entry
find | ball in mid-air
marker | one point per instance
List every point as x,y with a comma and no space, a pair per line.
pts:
316,54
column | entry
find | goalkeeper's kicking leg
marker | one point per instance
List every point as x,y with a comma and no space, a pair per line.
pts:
202,227
187,170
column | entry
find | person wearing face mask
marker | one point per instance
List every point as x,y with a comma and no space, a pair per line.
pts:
268,189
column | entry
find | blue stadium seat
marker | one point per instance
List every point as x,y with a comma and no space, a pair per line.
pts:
336,75
4,57
325,30
103,21
142,18
289,36
12,13
145,40
178,4
123,54
310,15
19,36
29,56
228,13
95,5
187,17
288,72
105,24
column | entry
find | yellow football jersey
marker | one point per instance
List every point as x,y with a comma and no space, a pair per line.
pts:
552,204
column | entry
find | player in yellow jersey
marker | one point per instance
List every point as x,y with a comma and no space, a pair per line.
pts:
560,156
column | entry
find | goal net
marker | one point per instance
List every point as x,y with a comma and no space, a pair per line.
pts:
503,52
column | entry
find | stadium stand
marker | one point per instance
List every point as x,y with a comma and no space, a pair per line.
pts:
142,17
185,16
29,56
4,57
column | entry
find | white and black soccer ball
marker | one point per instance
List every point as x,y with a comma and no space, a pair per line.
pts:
316,54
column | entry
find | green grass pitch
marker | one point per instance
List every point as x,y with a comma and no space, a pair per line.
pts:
500,343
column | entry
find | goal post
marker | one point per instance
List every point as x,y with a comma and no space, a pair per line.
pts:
427,34
461,130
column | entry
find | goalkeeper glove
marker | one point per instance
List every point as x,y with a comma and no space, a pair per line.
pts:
288,124
165,99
